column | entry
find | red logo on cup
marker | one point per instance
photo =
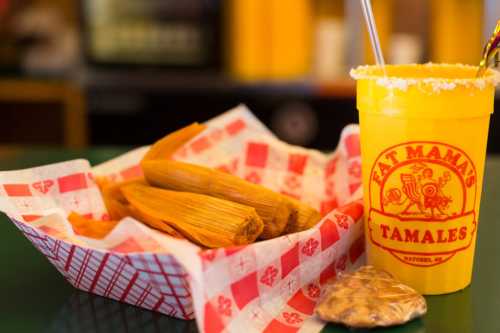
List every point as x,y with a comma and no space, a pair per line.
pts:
422,202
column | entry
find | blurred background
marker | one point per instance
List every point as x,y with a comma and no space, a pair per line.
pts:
126,72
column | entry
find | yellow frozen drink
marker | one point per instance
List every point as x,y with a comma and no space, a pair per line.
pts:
424,130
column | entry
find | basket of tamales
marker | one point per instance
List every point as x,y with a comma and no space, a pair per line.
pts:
219,221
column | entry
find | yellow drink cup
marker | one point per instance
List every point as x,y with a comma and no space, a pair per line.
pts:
424,130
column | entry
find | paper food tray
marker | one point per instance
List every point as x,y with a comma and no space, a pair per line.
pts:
267,286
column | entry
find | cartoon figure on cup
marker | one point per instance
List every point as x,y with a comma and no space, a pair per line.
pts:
423,194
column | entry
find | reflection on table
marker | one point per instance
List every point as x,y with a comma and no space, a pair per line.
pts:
88,313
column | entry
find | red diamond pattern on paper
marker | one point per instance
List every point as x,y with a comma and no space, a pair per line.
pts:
329,234
328,273
354,210
127,246
302,303
354,187
292,318
276,326
253,177
341,263
17,190
48,230
229,251
200,145
216,135
297,163
352,145
208,255
270,275
331,167
235,127
43,186
292,182
330,188
73,182
355,169
30,218
310,247
256,155
224,306
245,290
342,221
313,291
328,205
213,322
289,261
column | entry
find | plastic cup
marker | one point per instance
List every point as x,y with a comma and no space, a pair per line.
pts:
424,130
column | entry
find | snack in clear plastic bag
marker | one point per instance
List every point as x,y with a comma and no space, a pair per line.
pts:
369,298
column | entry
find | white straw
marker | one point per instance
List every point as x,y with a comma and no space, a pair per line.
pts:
372,30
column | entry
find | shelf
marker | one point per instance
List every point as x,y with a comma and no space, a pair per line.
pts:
209,82
34,91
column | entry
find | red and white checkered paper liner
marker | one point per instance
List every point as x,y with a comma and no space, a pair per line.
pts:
269,286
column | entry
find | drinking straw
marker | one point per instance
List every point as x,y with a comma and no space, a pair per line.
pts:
372,30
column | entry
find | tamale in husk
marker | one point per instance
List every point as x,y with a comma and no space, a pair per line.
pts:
205,220
304,217
166,147
153,222
274,209
115,202
90,228
118,207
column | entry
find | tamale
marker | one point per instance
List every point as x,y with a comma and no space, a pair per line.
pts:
205,220
153,222
304,217
89,227
115,202
273,208
166,147
118,207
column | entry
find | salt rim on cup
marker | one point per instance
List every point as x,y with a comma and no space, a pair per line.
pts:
438,77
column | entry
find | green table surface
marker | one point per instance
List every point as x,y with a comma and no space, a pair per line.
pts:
34,297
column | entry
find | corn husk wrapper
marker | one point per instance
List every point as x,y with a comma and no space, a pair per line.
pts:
273,208
153,222
208,221
90,228
304,217
167,146
116,204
